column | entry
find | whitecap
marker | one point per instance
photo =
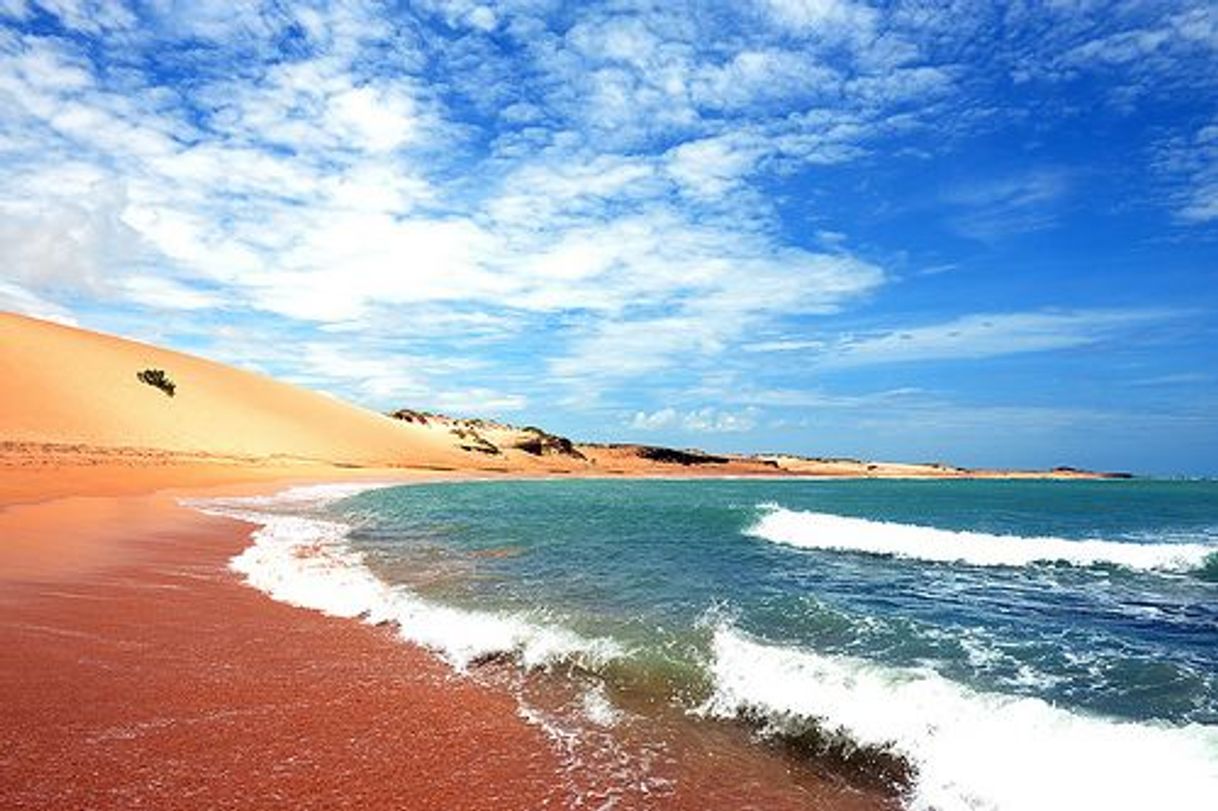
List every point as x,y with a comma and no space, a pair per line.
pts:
824,531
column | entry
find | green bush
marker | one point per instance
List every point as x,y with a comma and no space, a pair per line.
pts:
157,379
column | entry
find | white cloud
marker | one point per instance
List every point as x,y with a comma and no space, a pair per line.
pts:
92,16
341,263
618,350
461,13
377,120
713,166
656,420
332,168
473,402
61,228
771,77
1140,50
312,206
14,8
817,16
390,379
1167,37
710,420
706,420
783,345
713,287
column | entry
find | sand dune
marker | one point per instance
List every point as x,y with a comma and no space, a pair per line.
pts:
65,386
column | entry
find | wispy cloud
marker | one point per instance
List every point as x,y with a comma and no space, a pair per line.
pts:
1000,207
1189,165
978,336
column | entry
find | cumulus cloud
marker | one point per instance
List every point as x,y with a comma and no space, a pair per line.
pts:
706,420
656,420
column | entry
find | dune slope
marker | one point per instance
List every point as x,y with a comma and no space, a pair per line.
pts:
62,385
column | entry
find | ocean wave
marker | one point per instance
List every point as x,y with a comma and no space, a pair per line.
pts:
306,561
965,749
823,531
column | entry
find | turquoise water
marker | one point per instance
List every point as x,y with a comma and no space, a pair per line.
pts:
649,562
981,631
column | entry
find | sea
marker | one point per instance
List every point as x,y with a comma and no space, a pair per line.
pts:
964,644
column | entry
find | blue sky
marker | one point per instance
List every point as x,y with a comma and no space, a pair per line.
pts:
978,232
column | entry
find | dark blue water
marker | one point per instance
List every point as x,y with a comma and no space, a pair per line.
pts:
953,598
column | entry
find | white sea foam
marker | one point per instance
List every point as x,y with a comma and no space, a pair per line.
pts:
598,708
970,750
814,530
306,561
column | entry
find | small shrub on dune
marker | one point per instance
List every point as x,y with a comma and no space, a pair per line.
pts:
157,379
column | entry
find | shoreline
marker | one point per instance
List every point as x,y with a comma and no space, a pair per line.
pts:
141,669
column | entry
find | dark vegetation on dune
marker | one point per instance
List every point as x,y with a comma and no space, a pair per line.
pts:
471,432
471,440
158,380
410,415
673,456
543,443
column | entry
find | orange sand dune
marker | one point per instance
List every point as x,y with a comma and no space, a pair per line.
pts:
62,385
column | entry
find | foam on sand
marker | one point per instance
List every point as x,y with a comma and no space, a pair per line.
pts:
306,561
970,750
823,531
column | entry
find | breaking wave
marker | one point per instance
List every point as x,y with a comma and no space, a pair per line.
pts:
307,562
965,749
823,531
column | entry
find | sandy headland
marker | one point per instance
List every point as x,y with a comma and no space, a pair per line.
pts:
137,670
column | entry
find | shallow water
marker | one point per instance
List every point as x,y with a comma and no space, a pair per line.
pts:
971,644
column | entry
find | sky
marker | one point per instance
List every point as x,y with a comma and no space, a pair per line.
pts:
983,233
